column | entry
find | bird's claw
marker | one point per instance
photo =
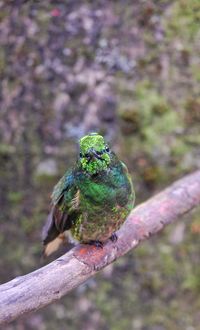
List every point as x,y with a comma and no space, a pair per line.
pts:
97,244
113,237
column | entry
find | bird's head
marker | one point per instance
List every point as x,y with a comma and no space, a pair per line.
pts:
94,154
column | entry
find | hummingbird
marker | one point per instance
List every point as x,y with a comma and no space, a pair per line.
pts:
92,200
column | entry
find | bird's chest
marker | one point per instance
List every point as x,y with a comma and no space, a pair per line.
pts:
96,196
100,214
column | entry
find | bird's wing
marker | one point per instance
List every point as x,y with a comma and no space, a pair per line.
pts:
65,200
125,195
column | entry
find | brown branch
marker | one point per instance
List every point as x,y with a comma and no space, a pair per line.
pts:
47,284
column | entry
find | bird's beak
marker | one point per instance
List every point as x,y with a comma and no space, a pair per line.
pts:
97,156
94,155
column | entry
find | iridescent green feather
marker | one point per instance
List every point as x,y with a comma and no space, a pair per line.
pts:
94,198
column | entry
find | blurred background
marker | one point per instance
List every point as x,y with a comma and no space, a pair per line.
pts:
131,71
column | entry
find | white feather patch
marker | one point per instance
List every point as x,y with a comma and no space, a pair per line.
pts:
54,245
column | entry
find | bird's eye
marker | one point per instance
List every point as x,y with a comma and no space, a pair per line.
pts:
107,149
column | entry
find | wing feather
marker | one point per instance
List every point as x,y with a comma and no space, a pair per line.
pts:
60,217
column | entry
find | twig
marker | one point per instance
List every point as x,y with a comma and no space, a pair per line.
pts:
35,290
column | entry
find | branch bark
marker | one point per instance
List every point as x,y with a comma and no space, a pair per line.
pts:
35,290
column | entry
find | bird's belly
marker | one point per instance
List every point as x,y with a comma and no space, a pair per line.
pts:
100,215
99,227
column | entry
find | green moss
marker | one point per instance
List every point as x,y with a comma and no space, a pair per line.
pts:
26,225
6,149
192,281
195,70
150,101
179,148
169,263
146,111
183,19
15,196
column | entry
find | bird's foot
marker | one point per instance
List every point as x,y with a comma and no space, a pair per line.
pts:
113,237
98,244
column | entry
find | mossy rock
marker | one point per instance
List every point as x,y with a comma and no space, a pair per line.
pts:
183,19
138,111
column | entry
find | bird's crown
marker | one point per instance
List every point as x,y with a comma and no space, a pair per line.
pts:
94,153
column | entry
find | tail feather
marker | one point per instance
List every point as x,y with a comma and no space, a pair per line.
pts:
54,245
50,231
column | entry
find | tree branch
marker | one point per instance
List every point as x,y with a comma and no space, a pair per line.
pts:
47,284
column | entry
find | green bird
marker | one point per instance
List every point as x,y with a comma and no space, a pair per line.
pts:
92,200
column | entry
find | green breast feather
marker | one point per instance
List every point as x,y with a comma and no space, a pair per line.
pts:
93,199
